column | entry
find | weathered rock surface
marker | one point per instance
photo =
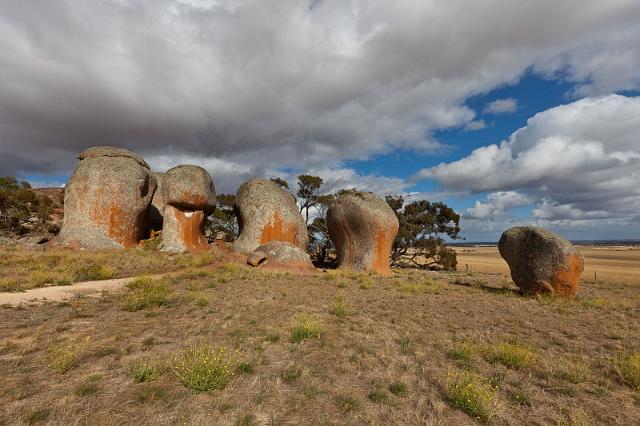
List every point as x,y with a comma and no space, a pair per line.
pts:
541,261
189,197
106,199
363,228
266,213
280,254
154,215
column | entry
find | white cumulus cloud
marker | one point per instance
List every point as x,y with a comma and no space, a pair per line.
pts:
501,106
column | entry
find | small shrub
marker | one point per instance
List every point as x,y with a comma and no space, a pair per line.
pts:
291,374
145,371
146,293
203,367
152,244
93,272
64,357
472,394
398,388
511,355
366,283
463,353
87,389
347,403
628,368
378,395
305,327
10,285
340,307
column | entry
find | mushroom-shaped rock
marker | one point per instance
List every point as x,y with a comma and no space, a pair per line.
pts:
106,199
266,213
363,228
189,197
157,204
541,261
280,254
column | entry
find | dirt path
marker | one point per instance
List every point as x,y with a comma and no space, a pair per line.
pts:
58,293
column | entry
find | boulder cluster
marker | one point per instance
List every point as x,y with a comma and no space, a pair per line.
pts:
113,200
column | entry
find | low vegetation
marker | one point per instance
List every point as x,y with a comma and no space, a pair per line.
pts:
278,348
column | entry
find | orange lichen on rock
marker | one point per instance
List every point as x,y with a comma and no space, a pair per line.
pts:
565,280
383,252
277,230
190,229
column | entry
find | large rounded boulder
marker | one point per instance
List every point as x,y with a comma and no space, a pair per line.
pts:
363,228
541,261
106,199
189,197
280,255
266,212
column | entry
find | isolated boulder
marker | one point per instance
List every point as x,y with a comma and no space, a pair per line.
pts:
280,254
189,197
541,261
363,228
154,215
266,213
106,199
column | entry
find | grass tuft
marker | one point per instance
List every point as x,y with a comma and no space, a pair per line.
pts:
291,374
204,367
64,357
340,307
145,371
305,327
628,368
145,292
512,355
94,272
472,394
398,389
347,403
378,395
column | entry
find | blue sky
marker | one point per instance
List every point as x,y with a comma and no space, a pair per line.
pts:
415,97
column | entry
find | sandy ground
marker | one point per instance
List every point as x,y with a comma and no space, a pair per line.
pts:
59,293
608,264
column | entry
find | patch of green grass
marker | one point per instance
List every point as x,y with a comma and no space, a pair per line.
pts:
93,272
291,374
512,355
245,368
463,352
87,389
10,285
204,367
520,398
398,389
420,287
574,371
63,357
305,327
246,420
144,292
406,344
272,337
340,307
37,416
472,394
347,403
378,395
145,371
151,244
628,368
366,283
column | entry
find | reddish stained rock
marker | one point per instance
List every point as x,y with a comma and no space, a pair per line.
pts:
106,199
363,228
267,213
541,261
189,197
156,209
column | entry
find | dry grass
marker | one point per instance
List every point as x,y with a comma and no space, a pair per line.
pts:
399,357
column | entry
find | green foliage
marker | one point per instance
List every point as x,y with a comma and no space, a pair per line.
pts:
94,271
628,368
340,307
204,367
145,292
308,192
419,242
512,355
347,403
472,394
223,219
399,389
305,327
19,203
378,395
145,371
281,182
64,356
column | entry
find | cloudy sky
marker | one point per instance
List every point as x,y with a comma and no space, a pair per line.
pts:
512,112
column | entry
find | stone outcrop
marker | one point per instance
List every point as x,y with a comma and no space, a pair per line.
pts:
189,197
541,261
280,254
106,199
266,213
154,215
363,228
